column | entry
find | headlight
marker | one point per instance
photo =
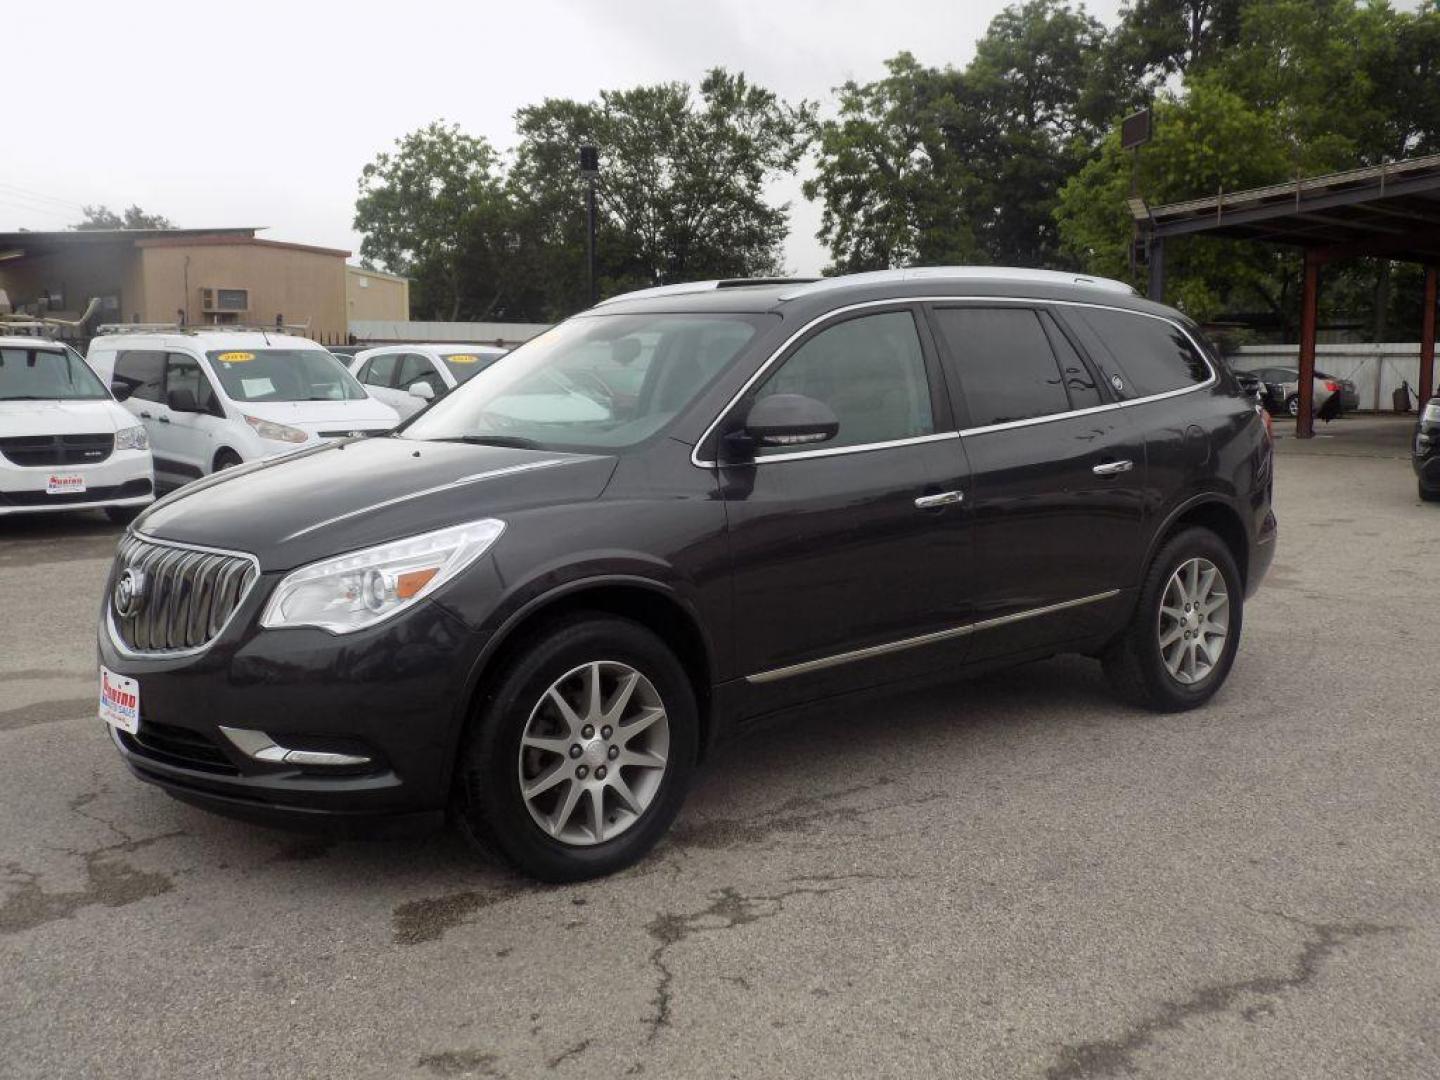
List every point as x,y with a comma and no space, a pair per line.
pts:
268,429
1431,415
132,438
366,587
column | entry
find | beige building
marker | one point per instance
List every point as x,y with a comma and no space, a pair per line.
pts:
374,294
198,275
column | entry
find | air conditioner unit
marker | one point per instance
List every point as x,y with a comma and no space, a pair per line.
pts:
215,300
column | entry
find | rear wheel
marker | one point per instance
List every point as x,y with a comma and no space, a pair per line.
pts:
1428,494
123,515
1292,405
1182,638
226,459
581,756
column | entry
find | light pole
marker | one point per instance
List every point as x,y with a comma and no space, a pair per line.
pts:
590,169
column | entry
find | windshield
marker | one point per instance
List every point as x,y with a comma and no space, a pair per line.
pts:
284,375
596,382
47,374
466,365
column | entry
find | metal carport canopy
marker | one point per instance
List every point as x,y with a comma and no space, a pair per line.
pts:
1389,211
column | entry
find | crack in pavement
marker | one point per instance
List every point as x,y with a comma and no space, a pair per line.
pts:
564,1056
428,919
460,1063
729,909
1110,1057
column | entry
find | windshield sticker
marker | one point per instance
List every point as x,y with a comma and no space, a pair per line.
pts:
463,358
236,357
257,387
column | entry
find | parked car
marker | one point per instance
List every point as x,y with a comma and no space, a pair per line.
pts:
1425,452
409,377
65,444
540,620
1282,389
212,399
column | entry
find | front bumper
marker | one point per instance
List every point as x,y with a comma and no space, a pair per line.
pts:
396,695
1262,553
1425,455
125,478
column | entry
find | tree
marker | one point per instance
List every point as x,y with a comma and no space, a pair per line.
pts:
102,217
681,185
1158,39
436,211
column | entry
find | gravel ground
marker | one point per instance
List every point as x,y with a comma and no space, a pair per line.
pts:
1008,877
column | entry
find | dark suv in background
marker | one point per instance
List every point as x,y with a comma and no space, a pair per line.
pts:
538,603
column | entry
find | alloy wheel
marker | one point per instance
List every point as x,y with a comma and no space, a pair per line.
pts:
593,753
1194,621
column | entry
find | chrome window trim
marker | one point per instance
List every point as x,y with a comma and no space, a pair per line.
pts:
696,460
807,666
179,654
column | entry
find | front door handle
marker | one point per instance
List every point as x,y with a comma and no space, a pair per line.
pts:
164,419
1113,468
944,498
145,416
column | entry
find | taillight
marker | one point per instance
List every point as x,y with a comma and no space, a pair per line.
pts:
1265,419
1332,386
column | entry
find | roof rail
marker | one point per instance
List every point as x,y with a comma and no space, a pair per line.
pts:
686,287
203,328
972,273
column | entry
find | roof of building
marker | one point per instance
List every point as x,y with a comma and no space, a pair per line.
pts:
1390,210
24,242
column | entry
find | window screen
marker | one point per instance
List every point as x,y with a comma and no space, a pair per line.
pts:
870,371
143,372
1152,356
1007,370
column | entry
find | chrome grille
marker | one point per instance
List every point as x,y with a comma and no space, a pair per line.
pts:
188,596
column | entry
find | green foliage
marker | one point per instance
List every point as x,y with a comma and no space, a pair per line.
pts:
102,217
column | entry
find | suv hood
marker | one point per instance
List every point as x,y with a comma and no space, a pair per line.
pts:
63,417
348,495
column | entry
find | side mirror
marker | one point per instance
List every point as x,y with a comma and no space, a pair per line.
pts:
182,401
122,391
790,420
423,390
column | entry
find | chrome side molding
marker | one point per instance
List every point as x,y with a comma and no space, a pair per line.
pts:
258,745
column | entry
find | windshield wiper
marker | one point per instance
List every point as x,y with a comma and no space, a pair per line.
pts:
493,440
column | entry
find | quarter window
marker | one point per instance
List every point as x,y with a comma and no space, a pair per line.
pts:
1008,371
1152,355
143,372
870,371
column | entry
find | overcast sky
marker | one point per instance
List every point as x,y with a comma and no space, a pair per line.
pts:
267,117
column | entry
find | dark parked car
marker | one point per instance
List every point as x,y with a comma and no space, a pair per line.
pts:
1425,453
537,605
1282,389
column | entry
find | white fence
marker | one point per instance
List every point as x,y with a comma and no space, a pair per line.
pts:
1377,370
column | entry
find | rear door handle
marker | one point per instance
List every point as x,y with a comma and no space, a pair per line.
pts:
145,416
1112,468
944,498
164,419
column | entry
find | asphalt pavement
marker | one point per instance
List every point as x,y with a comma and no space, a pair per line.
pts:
1013,877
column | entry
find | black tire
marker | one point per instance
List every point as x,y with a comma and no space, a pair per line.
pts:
123,515
1134,664
488,805
1428,494
226,459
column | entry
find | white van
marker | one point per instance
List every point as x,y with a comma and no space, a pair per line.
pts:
214,398
64,442
409,377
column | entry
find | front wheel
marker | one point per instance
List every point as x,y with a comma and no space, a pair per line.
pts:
581,756
1292,405
1428,494
1182,638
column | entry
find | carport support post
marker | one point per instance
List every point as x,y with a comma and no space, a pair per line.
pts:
1156,291
1309,315
1427,337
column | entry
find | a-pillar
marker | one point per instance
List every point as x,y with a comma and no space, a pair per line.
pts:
1309,314
1427,338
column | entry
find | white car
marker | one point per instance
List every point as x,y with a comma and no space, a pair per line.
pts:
212,399
64,442
409,377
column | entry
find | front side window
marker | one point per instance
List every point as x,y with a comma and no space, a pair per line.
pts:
870,371
283,375
47,374
380,370
183,373
561,390
1152,355
1008,371
418,369
143,371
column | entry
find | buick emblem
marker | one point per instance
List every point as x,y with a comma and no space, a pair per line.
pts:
129,593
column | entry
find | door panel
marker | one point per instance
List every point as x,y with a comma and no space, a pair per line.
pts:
190,437
1056,504
831,552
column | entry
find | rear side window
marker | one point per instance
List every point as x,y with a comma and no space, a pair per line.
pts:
1007,369
143,371
1152,356
870,371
